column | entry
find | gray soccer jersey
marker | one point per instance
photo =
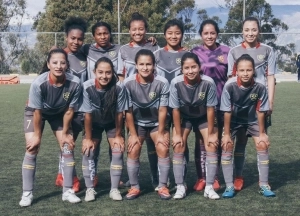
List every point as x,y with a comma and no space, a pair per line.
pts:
77,65
94,101
168,62
126,56
145,99
192,101
244,102
51,99
264,60
93,52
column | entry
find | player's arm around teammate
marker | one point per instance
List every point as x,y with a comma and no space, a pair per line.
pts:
53,95
147,114
104,101
193,99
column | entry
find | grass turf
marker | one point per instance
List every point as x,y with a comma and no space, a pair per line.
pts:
284,170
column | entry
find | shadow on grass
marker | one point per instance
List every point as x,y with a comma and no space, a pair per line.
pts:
47,196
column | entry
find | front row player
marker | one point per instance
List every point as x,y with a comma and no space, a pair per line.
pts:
245,103
148,96
193,99
52,97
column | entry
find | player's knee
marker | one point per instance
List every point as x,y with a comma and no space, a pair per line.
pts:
33,151
227,147
162,151
261,146
179,149
67,149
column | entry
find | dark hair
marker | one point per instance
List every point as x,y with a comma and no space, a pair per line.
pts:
174,22
75,23
110,98
54,51
144,52
189,55
245,57
252,19
102,24
209,22
136,16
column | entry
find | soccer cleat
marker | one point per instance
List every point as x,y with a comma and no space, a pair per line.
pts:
76,184
115,194
210,193
168,185
90,195
132,193
200,185
59,180
70,196
265,190
229,192
95,182
26,199
164,193
216,185
180,192
238,183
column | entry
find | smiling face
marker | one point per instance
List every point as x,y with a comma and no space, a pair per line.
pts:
137,31
74,40
250,33
191,69
102,36
209,36
245,72
57,64
173,37
145,66
103,74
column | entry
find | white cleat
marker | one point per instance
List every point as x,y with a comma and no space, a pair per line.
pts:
70,196
210,193
90,195
115,194
26,200
180,192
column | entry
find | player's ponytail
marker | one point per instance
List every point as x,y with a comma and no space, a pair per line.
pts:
75,23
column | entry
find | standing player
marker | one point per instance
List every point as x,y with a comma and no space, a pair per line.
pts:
138,27
147,116
53,96
103,104
265,66
213,58
75,28
245,103
193,99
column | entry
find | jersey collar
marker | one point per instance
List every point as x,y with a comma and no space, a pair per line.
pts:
138,79
131,43
52,82
97,46
244,46
166,48
239,83
186,81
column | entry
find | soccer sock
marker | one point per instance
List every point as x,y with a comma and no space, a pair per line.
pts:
163,167
178,167
59,163
68,164
28,171
186,161
116,167
88,169
96,157
263,166
239,158
202,161
133,167
227,167
152,157
211,167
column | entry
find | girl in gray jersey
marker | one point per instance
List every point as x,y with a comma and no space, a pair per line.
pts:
53,96
104,102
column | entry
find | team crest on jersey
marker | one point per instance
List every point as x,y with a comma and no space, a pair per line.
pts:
66,95
253,97
82,63
178,61
201,95
112,54
260,57
221,58
152,95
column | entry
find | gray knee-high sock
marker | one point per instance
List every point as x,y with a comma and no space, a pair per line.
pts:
203,161
133,167
263,166
227,167
152,157
211,167
68,164
96,157
163,167
239,158
28,171
178,167
88,169
186,160
59,163
116,167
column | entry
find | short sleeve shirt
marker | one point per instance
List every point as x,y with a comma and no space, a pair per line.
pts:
78,65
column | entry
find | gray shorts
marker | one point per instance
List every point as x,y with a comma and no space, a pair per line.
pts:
145,131
97,131
251,130
77,122
196,124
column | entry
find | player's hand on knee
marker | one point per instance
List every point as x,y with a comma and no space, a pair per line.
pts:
177,140
163,140
263,142
87,144
33,143
226,142
132,141
67,138
213,140
119,142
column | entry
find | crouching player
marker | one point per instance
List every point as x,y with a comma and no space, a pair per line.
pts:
193,99
103,104
148,96
245,103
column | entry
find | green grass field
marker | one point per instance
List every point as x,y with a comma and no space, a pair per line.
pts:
284,170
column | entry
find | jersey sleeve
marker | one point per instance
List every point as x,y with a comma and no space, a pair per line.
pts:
122,103
173,99
164,95
271,63
75,100
263,102
225,100
129,99
212,96
120,64
86,105
231,64
35,96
